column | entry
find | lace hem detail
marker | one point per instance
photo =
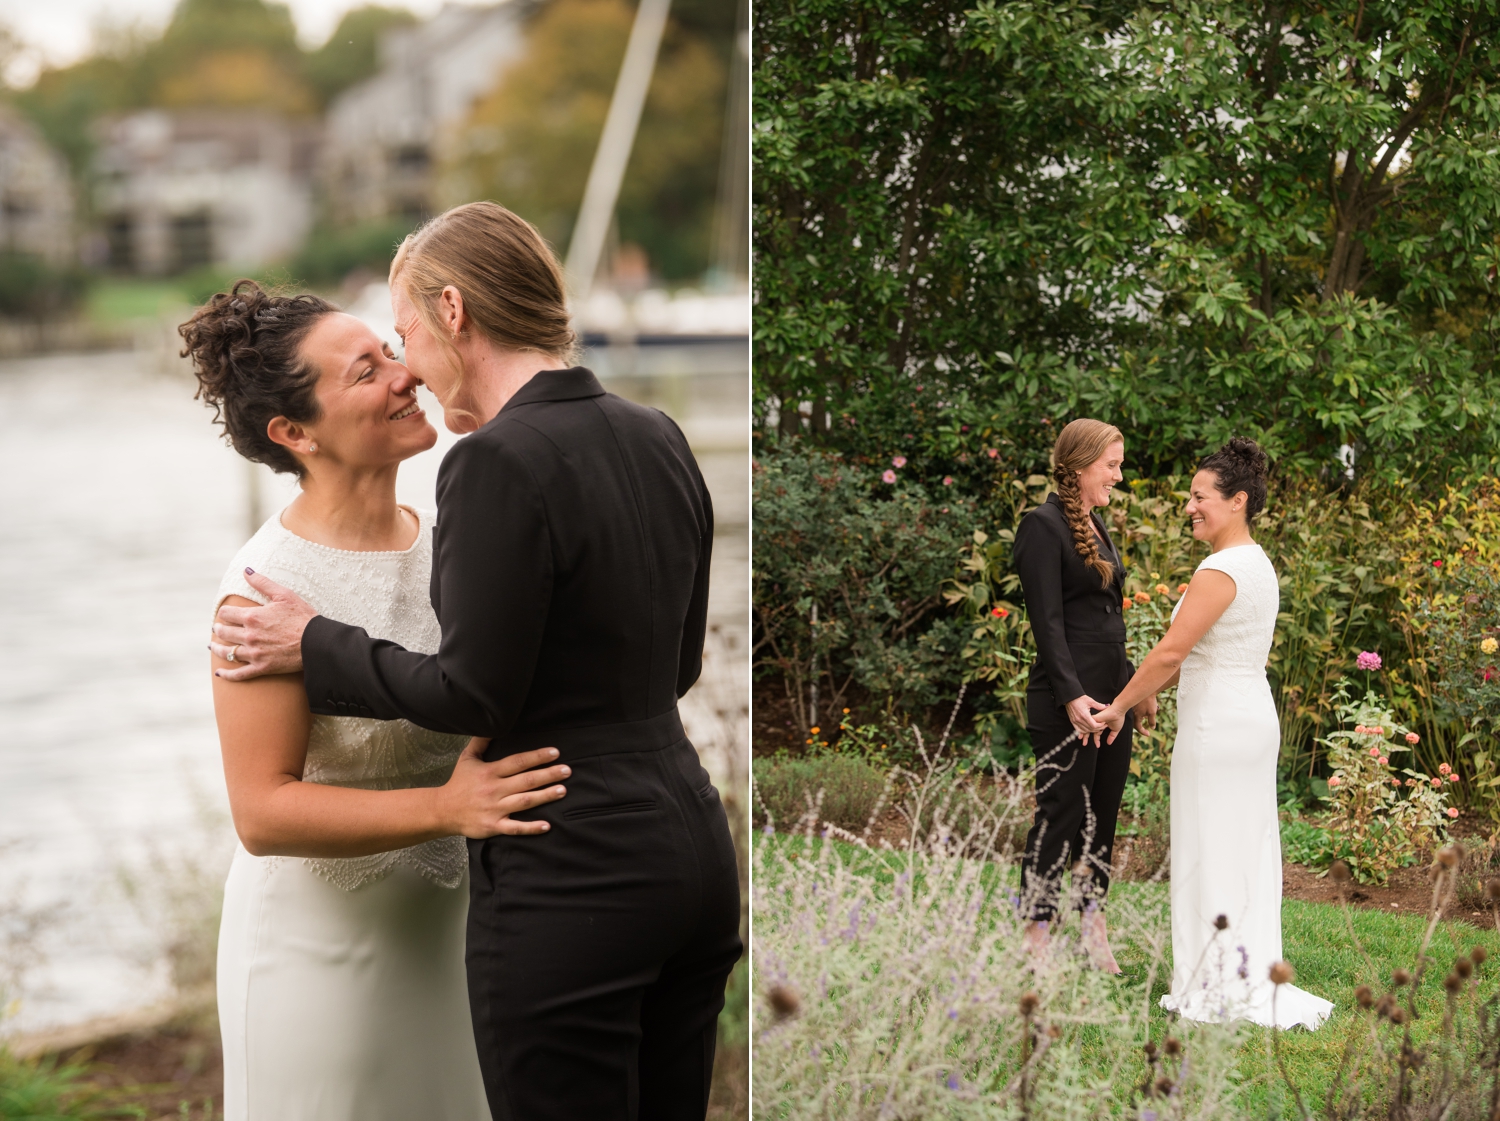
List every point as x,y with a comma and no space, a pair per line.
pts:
442,861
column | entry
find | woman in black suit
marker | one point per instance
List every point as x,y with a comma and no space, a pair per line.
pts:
1074,582
570,576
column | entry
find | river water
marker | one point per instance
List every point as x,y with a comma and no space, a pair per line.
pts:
121,508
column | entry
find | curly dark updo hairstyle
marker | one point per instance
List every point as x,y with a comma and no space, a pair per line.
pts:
245,345
1240,465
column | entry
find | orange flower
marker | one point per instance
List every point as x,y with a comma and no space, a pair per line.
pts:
1161,589
1127,604
1142,597
1000,613
1181,588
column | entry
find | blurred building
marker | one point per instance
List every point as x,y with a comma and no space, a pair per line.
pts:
183,189
36,193
382,135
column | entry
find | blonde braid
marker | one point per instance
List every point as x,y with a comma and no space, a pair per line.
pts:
1085,540
1080,443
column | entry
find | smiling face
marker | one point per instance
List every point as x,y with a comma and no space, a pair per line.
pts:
1098,479
1212,515
435,365
367,400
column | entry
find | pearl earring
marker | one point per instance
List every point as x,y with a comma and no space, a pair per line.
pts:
313,448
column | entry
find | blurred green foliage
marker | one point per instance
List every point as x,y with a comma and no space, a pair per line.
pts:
227,53
331,253
30,288
529,143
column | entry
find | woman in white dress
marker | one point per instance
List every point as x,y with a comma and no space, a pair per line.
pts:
341,982
1226,843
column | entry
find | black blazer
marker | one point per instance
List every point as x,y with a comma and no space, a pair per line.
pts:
1064,601
569,573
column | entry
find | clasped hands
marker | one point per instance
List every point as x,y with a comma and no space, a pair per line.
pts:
1091,718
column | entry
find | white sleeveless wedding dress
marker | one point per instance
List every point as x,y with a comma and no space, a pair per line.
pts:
341,983
1226,842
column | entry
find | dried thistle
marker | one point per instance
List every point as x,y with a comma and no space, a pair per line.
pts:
1029,1001
784,1001
1172,1045
1453,984
1478,955
1363,995
1282,973
1221,923
1339,872
1463,967
1401,978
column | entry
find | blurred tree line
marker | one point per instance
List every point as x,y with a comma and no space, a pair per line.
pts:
528,144
1272,219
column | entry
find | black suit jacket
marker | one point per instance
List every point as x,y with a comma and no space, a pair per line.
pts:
570,576
1067,607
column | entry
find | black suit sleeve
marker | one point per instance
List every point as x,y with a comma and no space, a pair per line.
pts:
492,581
1039,562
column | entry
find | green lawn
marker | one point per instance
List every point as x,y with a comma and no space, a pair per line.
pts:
115,300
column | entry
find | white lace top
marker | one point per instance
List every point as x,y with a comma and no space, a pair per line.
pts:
1239,643
387,595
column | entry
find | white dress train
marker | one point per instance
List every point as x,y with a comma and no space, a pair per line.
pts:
341,983
1226,841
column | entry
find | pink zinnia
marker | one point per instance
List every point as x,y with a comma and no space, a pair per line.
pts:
889,476
899,461
1452,811
1360,729
1374,751
993,453
1334,781
1443,768
1452,778
1413,738
947,480
1395,782
1437,782
1367,660
1383,760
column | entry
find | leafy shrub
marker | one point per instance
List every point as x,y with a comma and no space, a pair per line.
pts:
842,788
1304,842
331,253
847,576
30,288
44,1090
1378,820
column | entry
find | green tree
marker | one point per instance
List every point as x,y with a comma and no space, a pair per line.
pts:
529,143
1274,219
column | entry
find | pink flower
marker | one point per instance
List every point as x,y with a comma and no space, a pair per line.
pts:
899,461
1411,782
947,480
889,476
1443,768
1437,782
1437,564
993,453
1395,782
1374,751
1376,731
1360,729
1452,811
1452,778
1334,781
1367,660
1413,738
1383,760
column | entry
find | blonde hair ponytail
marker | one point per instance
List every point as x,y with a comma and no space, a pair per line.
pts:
1080,443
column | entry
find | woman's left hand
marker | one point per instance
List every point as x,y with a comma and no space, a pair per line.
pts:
1145,714
1114,718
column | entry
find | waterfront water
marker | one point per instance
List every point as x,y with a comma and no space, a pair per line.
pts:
121,508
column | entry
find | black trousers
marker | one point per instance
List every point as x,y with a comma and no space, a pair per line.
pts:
598,952
1079,787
